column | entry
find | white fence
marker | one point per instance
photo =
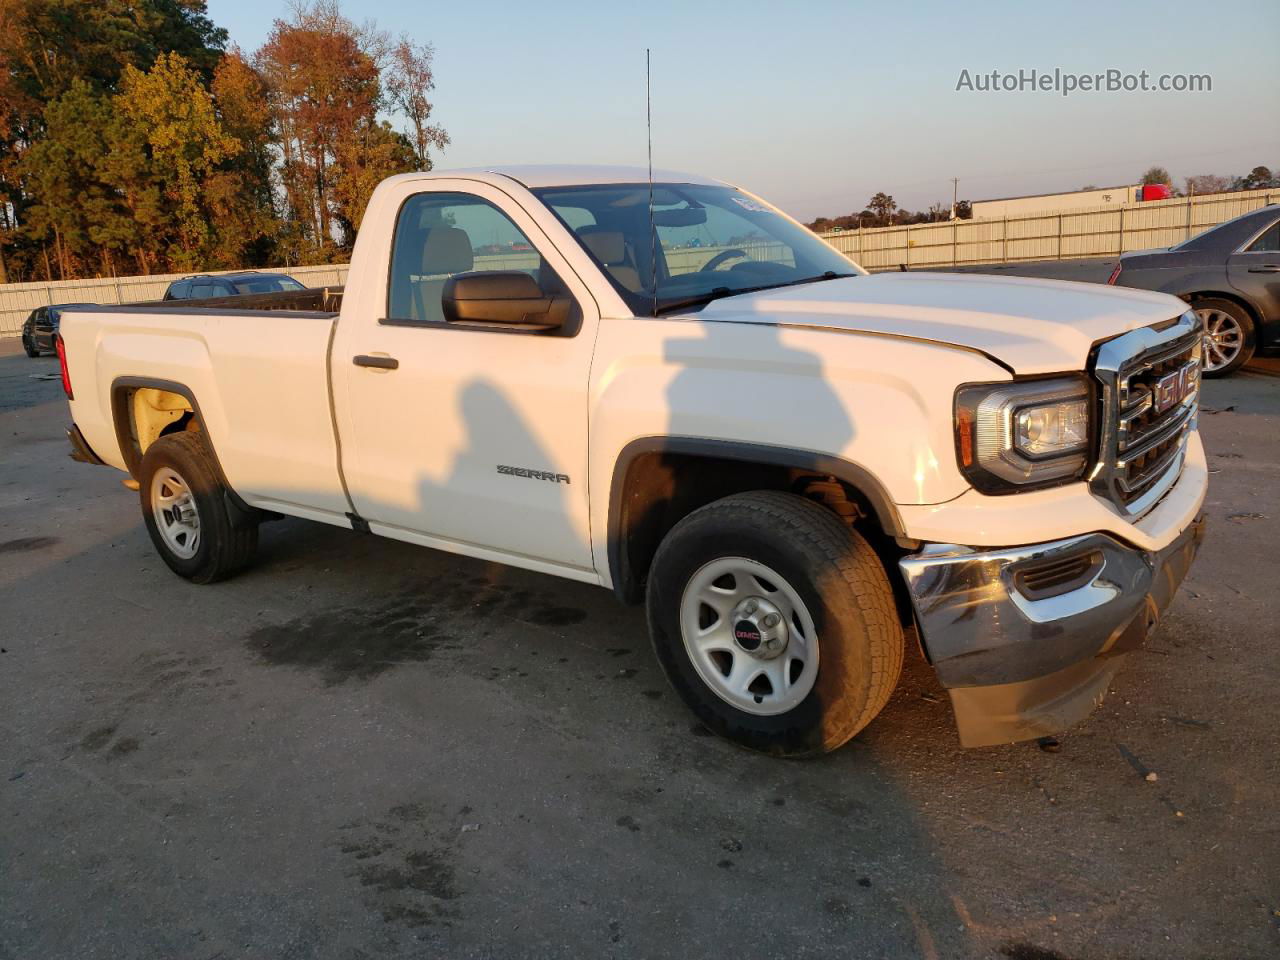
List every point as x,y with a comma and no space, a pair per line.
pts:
1053,235
17,300
1057,235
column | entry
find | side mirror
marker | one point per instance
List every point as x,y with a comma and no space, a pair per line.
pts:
502,297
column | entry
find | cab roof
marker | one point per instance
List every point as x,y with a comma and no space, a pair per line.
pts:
572,175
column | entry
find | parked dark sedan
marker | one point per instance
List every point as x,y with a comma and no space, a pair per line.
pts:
1231,277
40,326
230,285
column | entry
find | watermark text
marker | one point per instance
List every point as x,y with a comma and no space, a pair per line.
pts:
1066,82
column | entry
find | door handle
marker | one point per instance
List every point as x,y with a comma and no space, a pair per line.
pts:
378,363
1267,269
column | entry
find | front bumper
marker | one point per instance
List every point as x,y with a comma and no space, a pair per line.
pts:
1026,639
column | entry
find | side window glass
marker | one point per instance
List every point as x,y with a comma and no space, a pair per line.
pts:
1269,242
201,290
180,290
439,235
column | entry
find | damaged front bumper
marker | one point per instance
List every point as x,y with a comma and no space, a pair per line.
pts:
1027,639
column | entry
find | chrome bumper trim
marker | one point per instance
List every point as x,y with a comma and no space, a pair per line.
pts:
981,632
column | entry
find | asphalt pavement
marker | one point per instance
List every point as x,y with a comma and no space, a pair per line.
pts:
360,748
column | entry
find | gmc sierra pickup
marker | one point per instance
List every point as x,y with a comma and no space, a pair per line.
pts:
676,391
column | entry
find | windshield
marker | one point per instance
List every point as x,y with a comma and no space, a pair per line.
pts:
267,284
710,241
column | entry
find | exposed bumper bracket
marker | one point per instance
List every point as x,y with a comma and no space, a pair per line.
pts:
80,449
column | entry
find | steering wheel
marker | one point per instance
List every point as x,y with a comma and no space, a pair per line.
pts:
720,258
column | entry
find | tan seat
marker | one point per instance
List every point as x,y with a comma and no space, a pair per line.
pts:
610,248
446,251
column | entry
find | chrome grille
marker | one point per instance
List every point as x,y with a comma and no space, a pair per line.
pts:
1150,399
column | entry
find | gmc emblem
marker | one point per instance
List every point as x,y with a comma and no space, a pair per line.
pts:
1173,388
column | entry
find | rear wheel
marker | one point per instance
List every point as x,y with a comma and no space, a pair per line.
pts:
186,512
775,622
1228,336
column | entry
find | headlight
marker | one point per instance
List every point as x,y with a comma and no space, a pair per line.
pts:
1013,435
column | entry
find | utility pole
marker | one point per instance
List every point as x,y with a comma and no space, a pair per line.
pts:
955,194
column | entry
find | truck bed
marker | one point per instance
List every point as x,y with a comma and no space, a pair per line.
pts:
321,300
257,368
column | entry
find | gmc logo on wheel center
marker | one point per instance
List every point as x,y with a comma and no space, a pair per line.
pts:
1173,387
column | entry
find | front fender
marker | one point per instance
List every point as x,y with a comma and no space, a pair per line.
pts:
880,403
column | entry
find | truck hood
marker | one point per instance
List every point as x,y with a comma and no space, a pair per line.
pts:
1030,326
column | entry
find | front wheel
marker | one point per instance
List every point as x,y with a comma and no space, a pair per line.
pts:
775,623
1228,336
29,346
185,510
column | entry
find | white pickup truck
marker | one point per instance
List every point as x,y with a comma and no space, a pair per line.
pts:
675,391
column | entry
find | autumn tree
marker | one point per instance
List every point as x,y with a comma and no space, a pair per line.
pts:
129,141
1203,183
409,82
128,176
186,141
1156,175
1257,178
49,47
363,161
238,192
882,205
324,94
60,172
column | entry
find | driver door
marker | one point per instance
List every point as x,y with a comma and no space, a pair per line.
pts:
468,438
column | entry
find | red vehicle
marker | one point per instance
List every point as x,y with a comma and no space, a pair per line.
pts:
1154,191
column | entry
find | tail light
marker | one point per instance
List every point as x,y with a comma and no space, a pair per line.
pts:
1115,274
62,362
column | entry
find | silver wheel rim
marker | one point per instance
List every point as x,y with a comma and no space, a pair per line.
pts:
749,636
1223,338
174,509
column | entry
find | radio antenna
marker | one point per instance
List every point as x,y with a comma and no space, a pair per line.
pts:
653,231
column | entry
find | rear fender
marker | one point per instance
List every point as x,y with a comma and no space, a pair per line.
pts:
142,407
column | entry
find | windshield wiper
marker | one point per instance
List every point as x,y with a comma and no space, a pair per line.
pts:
718,293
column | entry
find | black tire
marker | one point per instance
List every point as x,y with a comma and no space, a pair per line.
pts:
1241,316
29,346
841,581
226,545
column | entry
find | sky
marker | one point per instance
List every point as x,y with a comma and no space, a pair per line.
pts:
818,105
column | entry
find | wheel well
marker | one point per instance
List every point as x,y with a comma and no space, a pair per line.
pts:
145,414
1244,304
660,487
144,410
